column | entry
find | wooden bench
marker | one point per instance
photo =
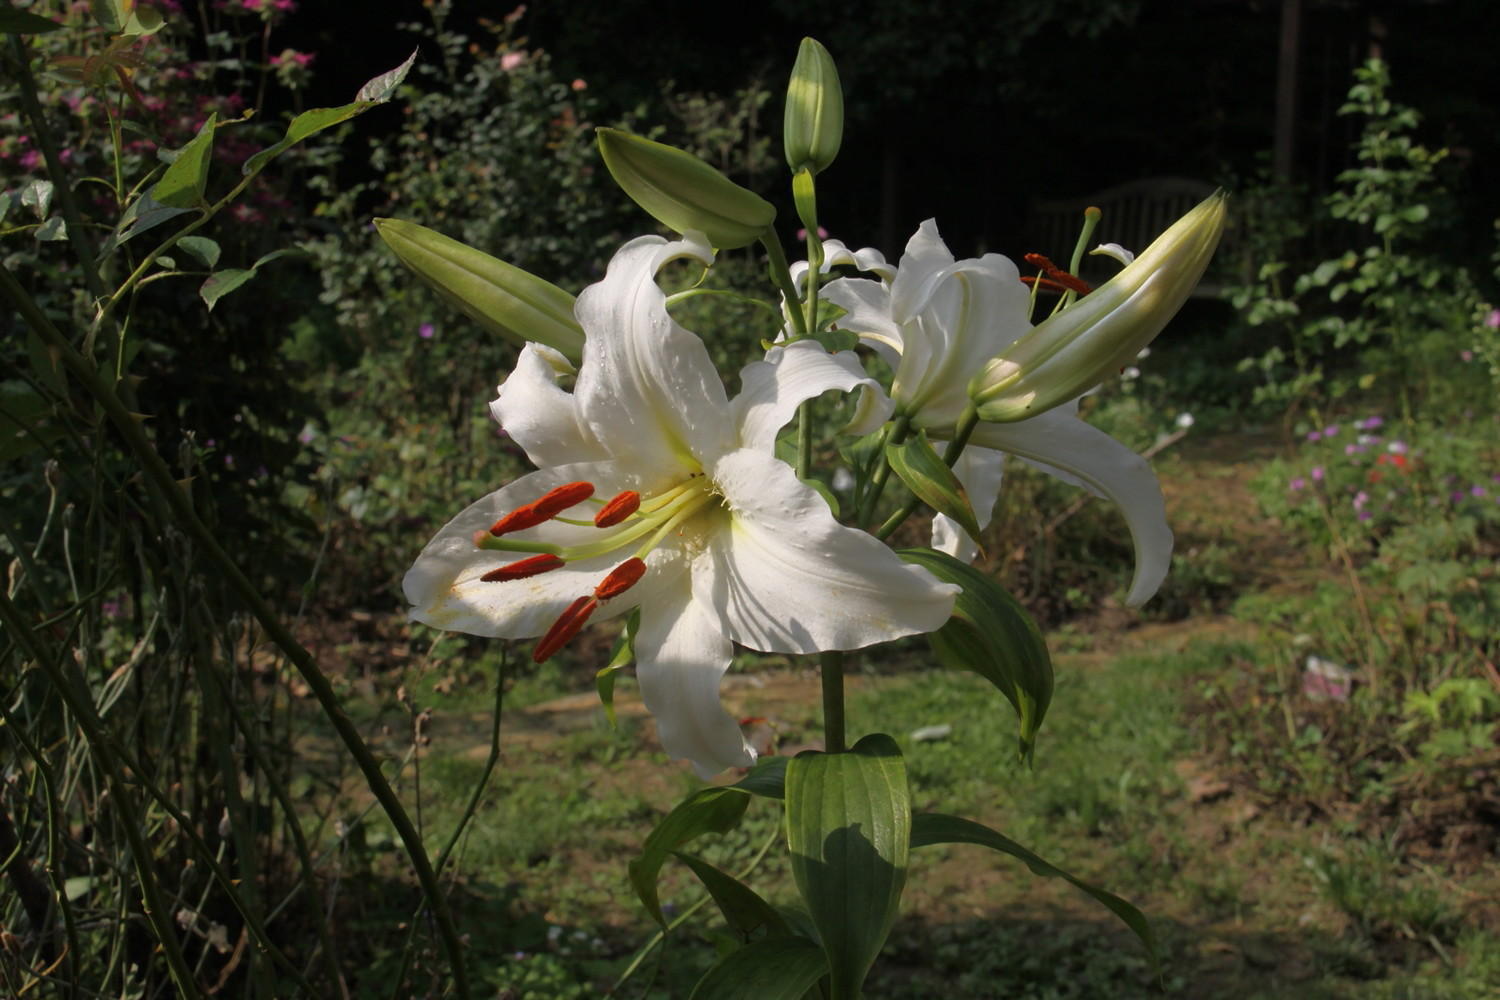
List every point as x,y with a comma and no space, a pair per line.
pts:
1134,215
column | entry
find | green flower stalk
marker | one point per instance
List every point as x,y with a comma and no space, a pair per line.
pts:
813,128
684,193
498,296
1061,358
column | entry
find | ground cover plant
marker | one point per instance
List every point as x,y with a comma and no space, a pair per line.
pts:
233,766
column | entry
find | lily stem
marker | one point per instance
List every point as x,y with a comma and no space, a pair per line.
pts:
832,670
898,431
781,274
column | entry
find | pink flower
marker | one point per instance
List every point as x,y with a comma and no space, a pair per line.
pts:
1332,430
580,84
426,330
512,60
1315,435
1493,319
1317,473
1297,483
1466,356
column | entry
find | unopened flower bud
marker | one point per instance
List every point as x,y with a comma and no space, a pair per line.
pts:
500,297
684,193
814,125
1078,348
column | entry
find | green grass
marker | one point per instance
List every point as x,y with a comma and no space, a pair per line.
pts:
1243,909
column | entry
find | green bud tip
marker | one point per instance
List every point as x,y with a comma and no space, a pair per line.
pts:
1078,348
813,128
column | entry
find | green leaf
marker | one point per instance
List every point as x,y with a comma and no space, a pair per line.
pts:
937,828
711,810
201,248
778,968
624,653
38,195
848,825
52,230
21,22
925,473
183,183
382,88
377,91
743,908
767,778
993,636
221,283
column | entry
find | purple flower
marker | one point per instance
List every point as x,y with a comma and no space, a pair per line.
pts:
1353,449
1317,473
1364,515
1477,491
1332,430
110,608
1370,423
426,330
1493,319
1314,436
1360,499
1457,497
1297,483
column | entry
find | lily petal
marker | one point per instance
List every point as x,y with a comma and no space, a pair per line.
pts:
868,307
647,387
681,657
835,254
539,415
771,390
788,578
1108,468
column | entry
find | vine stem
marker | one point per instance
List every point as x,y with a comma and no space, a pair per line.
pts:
128,425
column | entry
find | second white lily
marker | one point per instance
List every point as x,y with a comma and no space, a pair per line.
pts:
936,321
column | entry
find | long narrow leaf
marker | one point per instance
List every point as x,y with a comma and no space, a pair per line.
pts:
937,828
779,968
712,810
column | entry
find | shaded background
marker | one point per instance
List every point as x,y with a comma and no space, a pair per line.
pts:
972,110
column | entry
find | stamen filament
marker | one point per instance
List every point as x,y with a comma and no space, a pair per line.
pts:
686,511
484,540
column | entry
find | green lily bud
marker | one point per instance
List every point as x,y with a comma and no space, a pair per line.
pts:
682,192
814,123
1078,348
498,296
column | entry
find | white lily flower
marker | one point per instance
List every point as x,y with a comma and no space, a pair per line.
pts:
937,323
704,529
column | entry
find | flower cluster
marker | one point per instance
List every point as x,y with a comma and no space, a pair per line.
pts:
660,499
1374,481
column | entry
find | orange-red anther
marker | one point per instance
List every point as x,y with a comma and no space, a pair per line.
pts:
565,628
618,509
621,579
522,568
1068,281
541,511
